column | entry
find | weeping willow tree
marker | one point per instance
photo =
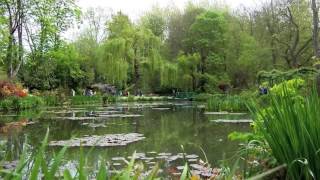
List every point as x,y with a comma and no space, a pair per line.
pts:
113,62
131,56
147,62
169,75
188,71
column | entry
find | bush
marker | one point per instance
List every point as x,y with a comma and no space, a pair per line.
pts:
9,89
290,87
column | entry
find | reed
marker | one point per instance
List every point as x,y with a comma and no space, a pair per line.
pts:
226,103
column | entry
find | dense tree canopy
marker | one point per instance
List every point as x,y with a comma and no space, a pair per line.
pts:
196,48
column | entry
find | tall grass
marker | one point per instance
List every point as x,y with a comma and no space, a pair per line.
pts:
221,102
291,127
80,100
21,103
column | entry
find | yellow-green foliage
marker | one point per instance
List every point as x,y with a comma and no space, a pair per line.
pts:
291,87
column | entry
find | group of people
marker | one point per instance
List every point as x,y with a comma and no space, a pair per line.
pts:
263,90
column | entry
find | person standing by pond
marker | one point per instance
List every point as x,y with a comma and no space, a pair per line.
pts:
263,90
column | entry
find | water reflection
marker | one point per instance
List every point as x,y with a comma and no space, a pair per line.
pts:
166,127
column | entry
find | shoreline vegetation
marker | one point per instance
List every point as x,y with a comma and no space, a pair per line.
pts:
263,61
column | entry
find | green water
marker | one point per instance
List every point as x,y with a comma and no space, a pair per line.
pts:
179,123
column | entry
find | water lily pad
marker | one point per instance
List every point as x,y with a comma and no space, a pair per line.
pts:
118,159
164,154
174,158
116,164
223,113
93,125
119,115
161,109
100,141
216,113
192,160
9,165
152,152
180,168
192,156
232,121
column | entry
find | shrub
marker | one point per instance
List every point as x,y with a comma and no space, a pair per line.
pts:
9,89
292,87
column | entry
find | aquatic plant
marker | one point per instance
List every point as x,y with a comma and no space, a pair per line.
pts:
202,97
37,166
221,102
108,99
79,100
291,128
18,104
52,100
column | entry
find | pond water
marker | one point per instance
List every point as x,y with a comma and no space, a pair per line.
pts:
165,125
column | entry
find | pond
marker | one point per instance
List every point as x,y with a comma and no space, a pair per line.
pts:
165,126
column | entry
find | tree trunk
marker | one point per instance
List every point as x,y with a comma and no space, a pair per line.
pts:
315,36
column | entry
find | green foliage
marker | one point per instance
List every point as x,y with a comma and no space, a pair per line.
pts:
202,97
220,102
292,87
109,99
276,76
52,100
18,103
188,71
130,98
37,165
79,100
290,126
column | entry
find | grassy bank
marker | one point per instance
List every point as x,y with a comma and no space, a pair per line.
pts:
98,99
21,103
